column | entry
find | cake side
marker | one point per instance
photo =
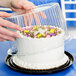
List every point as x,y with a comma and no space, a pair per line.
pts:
38,66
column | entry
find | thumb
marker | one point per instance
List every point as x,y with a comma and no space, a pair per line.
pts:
4,14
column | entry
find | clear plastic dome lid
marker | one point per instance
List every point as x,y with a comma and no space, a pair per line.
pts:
47,14
43,15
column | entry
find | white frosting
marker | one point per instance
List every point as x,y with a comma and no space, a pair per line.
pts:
42,53
45,65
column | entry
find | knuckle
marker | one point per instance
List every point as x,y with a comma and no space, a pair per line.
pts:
5,37
13,34
8,38
19,3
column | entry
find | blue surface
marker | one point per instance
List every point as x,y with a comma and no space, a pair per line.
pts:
6,71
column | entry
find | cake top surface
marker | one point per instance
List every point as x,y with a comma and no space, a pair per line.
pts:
40,31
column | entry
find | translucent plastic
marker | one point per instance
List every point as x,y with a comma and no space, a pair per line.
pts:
52,11
47,14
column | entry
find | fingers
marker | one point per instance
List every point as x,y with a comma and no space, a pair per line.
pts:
6,37
25,20
28,5
18,10
4,14
1,39
6,34
29,20
42,14
9,33
36,19
9,24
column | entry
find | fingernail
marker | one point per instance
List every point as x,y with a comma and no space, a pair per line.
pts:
10,14
19,28
18,36
12,39
2,40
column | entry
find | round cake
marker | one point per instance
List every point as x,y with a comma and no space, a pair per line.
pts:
40,47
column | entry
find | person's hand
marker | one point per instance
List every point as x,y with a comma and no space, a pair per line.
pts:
23,7
6,34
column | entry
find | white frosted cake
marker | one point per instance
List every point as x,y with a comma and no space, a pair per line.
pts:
40,47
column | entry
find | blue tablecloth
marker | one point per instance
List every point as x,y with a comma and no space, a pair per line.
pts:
6,71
